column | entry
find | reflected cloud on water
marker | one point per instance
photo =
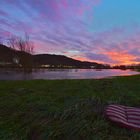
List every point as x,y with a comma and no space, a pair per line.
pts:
63,74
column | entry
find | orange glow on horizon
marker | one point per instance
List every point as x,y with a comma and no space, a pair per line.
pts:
121,58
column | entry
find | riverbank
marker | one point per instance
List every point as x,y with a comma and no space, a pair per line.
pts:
62,109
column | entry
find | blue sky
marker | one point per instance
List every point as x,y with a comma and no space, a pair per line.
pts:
105,31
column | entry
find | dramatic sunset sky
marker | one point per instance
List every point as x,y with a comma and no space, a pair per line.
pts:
106,31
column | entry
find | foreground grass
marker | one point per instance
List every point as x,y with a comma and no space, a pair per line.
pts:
65,109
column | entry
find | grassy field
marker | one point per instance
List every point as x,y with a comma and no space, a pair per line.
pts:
65,109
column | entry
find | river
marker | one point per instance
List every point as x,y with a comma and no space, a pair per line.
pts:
64,74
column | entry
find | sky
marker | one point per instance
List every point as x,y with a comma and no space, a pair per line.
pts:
103,31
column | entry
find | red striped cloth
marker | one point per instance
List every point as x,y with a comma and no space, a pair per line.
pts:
128,117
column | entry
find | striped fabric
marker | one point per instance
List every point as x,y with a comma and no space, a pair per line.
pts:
128,117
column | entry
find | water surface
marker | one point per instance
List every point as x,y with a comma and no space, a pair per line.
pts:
64,74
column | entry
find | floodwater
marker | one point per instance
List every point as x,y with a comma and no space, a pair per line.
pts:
64,74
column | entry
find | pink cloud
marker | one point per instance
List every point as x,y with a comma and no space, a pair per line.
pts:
65,3
122,58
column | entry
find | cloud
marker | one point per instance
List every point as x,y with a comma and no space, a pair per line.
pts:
99,57
3,13
65,26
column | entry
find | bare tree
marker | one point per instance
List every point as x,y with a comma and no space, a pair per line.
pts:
12,42
23,50
21,44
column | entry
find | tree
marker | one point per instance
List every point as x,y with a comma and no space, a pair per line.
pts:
23,48
21,44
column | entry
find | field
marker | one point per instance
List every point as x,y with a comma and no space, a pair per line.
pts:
65,109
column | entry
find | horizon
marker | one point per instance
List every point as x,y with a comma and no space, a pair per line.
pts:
102,31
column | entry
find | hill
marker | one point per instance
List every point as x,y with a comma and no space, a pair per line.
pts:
6,53
60,61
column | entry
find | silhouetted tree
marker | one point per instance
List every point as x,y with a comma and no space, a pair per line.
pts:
24,50
21,44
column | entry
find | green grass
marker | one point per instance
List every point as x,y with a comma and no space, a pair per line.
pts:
65,109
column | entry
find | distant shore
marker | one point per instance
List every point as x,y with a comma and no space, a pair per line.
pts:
40,67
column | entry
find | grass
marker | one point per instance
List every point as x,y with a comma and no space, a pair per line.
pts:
65,109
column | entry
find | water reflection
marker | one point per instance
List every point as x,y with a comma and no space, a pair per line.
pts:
63,74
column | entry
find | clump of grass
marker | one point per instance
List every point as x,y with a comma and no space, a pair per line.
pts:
80,120
83,107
